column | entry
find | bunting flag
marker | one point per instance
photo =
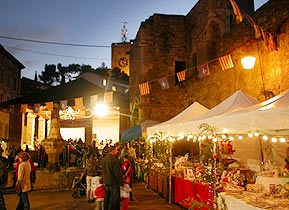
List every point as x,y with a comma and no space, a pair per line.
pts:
203,71
36,108
79,103
63,104
226,62
11,109
144,88
181,75
164,83
269,41
108,97
23,108
49,106
256,27
93,100
237,12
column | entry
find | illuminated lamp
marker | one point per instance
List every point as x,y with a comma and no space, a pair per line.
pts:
248,62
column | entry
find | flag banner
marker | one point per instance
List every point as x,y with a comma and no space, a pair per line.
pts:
226,62
268,40
49,106
256,27
63,104
144,88
164,83
237,12
93,100
181,75
23,108
36,108
11,109
79,103
108,97
203,71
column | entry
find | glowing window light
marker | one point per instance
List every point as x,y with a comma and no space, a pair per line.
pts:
274,139
101,110
248,62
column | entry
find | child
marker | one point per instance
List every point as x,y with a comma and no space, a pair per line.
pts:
125,194
99,194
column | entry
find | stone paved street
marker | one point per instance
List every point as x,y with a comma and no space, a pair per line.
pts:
144,199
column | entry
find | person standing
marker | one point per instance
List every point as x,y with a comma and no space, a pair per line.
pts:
112,178
90,169
23,183
131,160
99,194
3,178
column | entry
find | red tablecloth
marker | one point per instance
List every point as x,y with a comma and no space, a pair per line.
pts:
185,192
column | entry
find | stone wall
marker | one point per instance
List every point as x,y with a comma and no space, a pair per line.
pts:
45,180
207,33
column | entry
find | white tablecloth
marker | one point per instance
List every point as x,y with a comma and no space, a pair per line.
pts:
266,181
236,204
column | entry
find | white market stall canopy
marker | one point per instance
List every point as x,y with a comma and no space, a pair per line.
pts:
194,110
235,102
271,116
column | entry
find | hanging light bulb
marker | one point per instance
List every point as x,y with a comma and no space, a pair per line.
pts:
231,138
215,139
274,139
256,133
265,137
224,136
240,137
282,139
250,135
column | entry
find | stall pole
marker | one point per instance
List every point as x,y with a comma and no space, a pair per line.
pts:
170,174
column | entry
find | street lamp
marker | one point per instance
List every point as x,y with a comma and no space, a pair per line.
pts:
101,110
248,62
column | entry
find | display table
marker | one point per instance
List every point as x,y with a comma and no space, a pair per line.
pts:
186,192
235,204
266,181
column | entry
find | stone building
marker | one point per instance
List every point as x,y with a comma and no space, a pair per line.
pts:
10,76
168,44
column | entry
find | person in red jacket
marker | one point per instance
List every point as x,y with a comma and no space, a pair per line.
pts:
99,193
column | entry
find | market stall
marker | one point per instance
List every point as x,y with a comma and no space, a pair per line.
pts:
252,153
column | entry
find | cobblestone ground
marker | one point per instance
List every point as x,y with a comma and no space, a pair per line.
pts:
144,199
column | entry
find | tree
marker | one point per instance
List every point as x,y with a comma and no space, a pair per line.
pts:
49,75
66,72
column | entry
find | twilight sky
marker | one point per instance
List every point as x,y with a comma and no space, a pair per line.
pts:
97,23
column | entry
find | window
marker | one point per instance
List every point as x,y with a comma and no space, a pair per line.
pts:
104,82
